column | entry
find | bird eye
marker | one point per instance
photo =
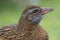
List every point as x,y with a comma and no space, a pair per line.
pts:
35,11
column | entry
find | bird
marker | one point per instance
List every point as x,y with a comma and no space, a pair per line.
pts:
28,27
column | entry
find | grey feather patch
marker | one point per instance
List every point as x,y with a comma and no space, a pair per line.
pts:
36,19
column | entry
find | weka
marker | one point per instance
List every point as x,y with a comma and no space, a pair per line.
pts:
28,26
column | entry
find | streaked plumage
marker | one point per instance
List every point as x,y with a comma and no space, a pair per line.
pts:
27,27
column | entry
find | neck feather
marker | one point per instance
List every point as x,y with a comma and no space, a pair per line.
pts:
25,24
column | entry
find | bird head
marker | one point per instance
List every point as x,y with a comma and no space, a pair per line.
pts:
34,14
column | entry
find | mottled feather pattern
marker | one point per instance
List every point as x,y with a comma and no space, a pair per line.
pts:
24,30
12,33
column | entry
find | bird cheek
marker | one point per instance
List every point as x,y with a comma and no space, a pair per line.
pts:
29,18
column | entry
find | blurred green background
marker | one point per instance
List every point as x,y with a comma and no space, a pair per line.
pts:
10,11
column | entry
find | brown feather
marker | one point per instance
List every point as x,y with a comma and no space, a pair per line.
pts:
23,30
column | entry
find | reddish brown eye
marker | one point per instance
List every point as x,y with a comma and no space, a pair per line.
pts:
35,11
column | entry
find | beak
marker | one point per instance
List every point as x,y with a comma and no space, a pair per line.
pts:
46,10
